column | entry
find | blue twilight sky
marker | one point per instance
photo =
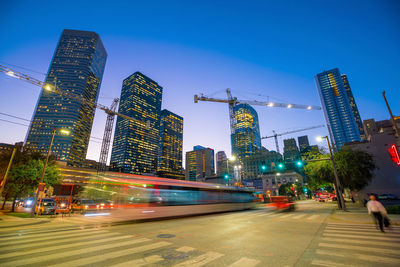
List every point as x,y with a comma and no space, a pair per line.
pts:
256,48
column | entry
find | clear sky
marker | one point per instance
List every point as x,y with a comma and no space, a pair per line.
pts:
255,48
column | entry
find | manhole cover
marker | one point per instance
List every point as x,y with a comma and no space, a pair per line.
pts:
165,236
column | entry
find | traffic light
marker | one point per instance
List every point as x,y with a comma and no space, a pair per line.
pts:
226,176
394,154
263,167
299,163
281,166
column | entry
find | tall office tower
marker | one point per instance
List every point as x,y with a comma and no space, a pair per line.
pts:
221,163
77,68
246,139
335,102
353,106
290,150
169,163
135,147
303,142
199,164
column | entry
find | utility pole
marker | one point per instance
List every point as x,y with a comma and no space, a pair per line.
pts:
396,129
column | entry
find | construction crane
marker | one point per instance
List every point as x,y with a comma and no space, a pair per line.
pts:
110,111
275,135
233,101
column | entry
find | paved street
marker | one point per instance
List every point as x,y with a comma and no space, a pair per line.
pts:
313,235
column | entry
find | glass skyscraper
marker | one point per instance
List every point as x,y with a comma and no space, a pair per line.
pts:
353,106
171,144
77,68
246,139
135,147
338,113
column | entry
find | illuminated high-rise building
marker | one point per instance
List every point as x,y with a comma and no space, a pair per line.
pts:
171,143
353,106
246,139
338,113
135,146
221,163
76,68
199,164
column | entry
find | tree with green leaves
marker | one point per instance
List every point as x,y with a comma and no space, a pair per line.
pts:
24,175
355,169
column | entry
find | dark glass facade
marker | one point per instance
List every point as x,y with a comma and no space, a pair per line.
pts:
77,68
353,106
290,150
246,140
303,142
135,147
335,102
171,145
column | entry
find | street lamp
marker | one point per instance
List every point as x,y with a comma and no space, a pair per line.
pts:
338,190
233,158
62,131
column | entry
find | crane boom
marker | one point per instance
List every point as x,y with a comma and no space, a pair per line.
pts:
52,88
289,132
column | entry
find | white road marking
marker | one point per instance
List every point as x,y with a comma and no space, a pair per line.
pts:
382,237
184,249
299,216
286,216
365,257
313,217
363,248
53,243
358,225
52,234
50,248
364,242
111,255
377,233
69,253
140,262
329,263
245,262
200,260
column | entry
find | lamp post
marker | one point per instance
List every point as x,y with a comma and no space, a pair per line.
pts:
339,195
233,158
62,131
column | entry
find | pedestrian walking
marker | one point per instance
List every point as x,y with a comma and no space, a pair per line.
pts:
378,212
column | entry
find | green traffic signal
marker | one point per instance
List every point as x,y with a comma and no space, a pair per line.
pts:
281,166
299,163
263,167
226,176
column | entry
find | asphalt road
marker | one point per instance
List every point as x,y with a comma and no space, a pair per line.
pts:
305,237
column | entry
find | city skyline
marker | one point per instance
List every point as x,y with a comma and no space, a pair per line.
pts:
186,66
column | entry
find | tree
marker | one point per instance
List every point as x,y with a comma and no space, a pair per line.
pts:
355,170
24,175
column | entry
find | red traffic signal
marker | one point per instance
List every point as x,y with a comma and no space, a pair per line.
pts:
394,153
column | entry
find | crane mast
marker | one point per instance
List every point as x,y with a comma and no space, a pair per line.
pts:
111,112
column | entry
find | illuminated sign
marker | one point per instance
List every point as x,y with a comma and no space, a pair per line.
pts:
394,154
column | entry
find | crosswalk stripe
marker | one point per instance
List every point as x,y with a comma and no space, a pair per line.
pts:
286,216
53,243
329,263
140,262
47,234
365,257
365,242
363,248
357,225
70,253
263,214
50,248
245,262
299,216
313,217
373,229
112,255
382,237
377,232
185,249
275,214
200,260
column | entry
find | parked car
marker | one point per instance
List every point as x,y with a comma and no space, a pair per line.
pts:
47,207
83,205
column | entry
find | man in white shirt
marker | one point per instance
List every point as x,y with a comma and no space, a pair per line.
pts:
377,210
